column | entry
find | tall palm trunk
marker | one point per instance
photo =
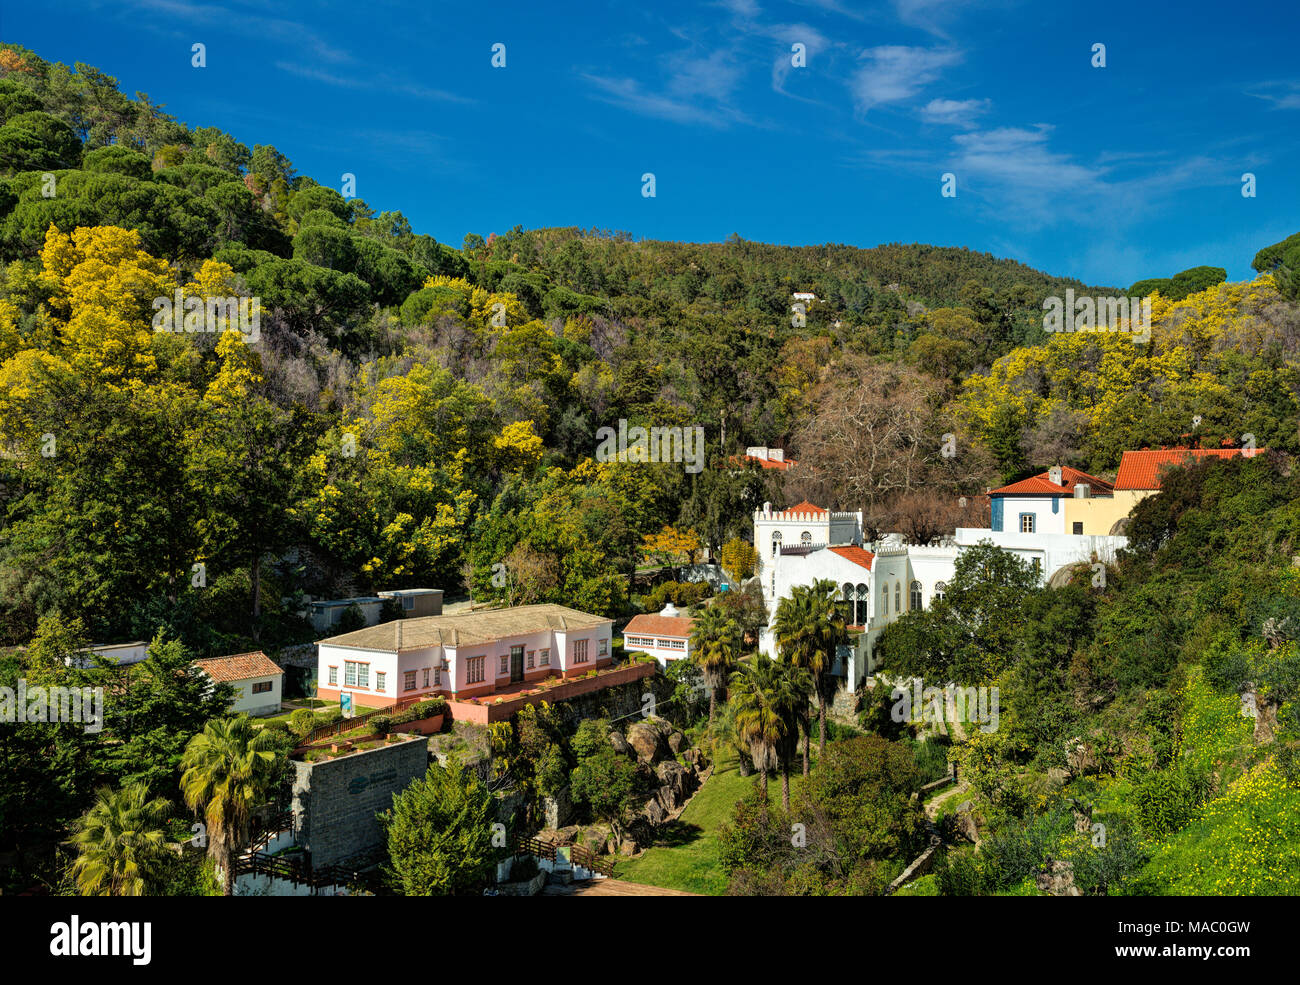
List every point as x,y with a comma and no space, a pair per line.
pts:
226,858
821,725
807,741
785,785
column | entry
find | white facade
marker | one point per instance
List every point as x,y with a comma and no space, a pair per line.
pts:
804,525
1033,514
879,582
380,677
258,695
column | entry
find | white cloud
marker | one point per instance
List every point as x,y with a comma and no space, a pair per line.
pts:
955,112
896,73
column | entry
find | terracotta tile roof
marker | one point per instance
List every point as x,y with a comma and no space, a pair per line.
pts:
857,555
805,507
1141,469
239,666
467,629
765,463
1042,484
678,627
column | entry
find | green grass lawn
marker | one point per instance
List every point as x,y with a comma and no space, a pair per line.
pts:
685,856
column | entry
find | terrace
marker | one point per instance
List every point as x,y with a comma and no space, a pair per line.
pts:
500,705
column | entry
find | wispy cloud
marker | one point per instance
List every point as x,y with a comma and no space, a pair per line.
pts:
897,73
1283,95
954,112
369,81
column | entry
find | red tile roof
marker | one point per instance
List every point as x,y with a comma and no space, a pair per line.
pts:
239,666
857,555
678,627
805,507
1141,469
767,463
1042,485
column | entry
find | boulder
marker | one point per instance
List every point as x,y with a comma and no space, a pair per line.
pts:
676,742
646,740
654,811
1080,758
1059,880
619,743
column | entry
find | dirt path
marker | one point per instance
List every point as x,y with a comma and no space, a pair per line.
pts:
932,806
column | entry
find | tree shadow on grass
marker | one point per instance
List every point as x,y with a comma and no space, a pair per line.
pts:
676,834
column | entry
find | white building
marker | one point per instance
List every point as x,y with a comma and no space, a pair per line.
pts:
879,582
804,526
122,654
666,635
461,656
257,679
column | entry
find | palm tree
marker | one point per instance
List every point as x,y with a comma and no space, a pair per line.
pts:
121,842
716,641
761,698
809,627
228,771
796,684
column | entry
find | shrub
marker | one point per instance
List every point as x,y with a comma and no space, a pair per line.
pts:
302,721
523,868
381,724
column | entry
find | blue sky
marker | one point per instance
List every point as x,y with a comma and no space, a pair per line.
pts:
1107,174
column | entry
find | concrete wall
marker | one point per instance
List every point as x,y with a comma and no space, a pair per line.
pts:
336,800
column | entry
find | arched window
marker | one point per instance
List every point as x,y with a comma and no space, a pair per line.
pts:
939,589
884,600
846,605
805,538
915,601
864,599
776,543
898,596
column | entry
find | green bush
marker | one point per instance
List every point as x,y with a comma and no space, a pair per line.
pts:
382,724
302,721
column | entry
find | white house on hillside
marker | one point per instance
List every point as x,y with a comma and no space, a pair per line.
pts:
257,679
665,635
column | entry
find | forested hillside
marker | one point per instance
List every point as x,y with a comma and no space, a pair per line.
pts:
413,414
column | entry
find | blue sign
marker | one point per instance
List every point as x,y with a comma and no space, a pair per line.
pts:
345,703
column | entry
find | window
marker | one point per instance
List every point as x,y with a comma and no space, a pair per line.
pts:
426,676
408,602
1026,523
602,648
898,596
349,673
914,596
531,655
261,687
379,681
864,601
475,669
884,600
334,677
805,538
776,543
939,589
546,656
580,651
357,674
408,680
1077,528
505,665
437,677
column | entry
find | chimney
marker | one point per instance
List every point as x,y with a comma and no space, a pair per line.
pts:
776,454
1054,475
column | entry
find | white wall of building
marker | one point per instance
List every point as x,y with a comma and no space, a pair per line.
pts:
253,703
